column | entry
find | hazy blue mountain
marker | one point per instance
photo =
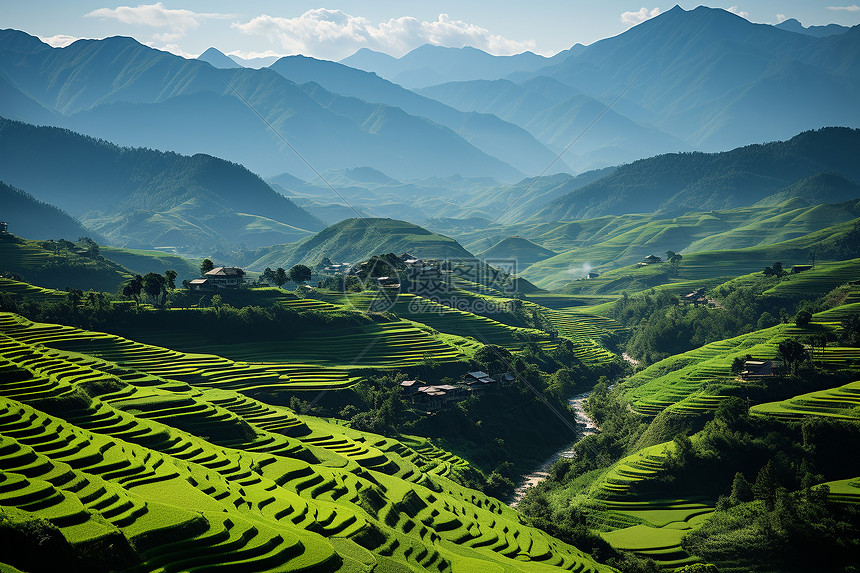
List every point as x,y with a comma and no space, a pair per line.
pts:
146,198
717,81
793,25
255,63
819,188
557,114
497,138
429,65
674,184
18,105
33,219
218,59
120,90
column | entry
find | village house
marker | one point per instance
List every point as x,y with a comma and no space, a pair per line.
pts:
411,387
800,268
757,369
696,297
652,259
592,275
434,398
479,380
220,277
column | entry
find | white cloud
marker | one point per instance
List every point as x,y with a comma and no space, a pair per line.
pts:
780,18
176,22
335,34
173,49
253,55
852,8
737,11
639,16
60,40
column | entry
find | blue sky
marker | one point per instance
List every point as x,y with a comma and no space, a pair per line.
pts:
338,28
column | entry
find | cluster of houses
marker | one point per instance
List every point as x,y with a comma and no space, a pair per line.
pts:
432,398
696,298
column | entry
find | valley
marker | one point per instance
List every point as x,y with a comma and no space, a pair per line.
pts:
434,307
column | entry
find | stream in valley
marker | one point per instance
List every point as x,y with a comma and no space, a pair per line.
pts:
585,426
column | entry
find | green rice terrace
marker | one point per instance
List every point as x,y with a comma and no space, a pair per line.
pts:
153,458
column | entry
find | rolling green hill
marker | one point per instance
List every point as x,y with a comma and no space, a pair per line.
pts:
785,231
142,262
354,240
520,249
55,265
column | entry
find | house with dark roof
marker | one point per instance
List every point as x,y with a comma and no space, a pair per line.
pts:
220,277
757,369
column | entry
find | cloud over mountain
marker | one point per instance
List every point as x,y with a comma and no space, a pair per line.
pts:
177,23
335,34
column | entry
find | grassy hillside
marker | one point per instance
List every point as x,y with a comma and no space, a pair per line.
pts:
606,243
523,251
153,471
703,266
142,262
355,240
59,265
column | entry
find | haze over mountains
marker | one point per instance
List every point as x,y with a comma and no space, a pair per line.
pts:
144,198
451,155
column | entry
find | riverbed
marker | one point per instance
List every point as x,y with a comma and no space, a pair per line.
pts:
584,425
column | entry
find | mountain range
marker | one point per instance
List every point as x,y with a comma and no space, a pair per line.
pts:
674,184
145,198
120,90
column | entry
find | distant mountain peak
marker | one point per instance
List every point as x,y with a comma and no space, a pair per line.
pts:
218,59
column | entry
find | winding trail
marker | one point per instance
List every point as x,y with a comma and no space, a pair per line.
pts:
584,425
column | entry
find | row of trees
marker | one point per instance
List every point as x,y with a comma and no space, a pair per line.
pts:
154,285
299,274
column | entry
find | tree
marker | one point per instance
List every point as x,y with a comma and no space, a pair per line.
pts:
299,274
777,269
133,288
674,258
154,285
802,319
765,484
268,275
206,266
742,490
738,365
281,277
793,353
170,275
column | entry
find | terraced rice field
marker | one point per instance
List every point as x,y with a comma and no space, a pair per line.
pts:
842,402
681,382
820,280
204,370
650,526
30,292
845,490
386,345
195,476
